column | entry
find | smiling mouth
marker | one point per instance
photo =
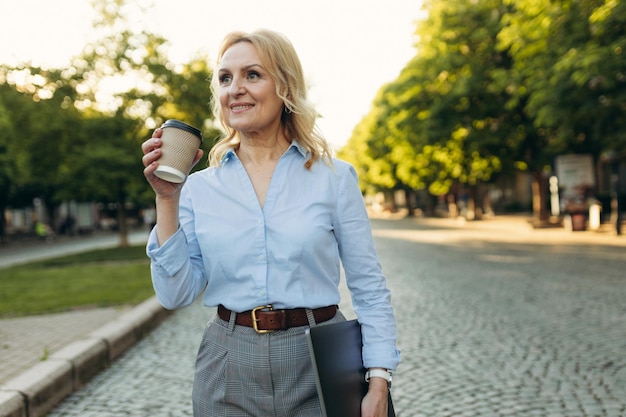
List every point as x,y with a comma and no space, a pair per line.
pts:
240,107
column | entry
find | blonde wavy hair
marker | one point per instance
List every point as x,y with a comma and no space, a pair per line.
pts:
279,58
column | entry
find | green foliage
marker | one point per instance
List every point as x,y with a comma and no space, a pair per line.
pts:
75,133
7,166
439,123
497,86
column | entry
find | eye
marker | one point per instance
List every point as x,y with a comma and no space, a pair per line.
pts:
225,79
253,76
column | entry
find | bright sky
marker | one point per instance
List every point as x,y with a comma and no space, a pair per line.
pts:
348,48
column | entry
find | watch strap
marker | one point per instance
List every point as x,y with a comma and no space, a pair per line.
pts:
378,373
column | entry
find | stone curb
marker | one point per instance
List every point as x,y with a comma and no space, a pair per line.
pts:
39,389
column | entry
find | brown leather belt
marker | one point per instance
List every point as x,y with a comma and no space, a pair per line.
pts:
264,319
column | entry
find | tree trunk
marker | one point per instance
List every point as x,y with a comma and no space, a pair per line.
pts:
122,224
3,225
539,188
409,196
390,202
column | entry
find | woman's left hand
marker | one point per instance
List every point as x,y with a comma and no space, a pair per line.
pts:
374,403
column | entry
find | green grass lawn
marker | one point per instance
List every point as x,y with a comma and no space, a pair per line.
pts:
108,277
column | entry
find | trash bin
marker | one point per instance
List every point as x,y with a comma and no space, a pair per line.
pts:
578,221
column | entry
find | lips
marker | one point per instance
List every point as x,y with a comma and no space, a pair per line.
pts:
237,107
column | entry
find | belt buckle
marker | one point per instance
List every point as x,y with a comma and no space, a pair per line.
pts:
255,320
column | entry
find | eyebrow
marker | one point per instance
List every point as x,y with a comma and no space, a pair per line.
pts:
245,68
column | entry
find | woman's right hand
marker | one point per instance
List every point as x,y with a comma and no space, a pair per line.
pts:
151,153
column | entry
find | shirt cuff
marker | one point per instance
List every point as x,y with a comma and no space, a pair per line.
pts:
381,358
167,256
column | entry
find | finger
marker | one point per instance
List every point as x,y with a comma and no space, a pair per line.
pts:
151,144
151,156
198,157
148,171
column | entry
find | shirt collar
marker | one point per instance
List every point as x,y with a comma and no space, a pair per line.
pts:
294,144
300,148
229,155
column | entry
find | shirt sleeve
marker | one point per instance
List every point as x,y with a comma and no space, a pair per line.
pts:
371,299
176,266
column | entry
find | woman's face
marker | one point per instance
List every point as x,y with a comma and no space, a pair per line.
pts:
247,93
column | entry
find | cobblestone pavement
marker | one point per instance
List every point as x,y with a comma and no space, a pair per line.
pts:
495,319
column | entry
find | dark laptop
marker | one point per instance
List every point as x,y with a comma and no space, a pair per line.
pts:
336,354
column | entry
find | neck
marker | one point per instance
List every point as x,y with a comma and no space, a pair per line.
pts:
258,150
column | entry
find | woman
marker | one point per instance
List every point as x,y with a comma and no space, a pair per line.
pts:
261,233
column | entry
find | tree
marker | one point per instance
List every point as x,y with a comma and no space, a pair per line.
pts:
36,135
442,122
567,70
498,86
7,168
149,90
80,127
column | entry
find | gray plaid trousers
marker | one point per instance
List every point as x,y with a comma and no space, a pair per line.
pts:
240,373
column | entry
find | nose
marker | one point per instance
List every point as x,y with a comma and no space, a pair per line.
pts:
236,87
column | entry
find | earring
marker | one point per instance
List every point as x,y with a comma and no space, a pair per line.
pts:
288,110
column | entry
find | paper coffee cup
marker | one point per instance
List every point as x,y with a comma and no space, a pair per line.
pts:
180,144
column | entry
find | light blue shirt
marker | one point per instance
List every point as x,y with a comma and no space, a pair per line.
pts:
287,253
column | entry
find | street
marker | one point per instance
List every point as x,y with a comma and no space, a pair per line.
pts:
494,319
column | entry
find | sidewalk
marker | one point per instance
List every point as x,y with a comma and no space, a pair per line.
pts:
93,342
46,357
25,341
18,252
513,227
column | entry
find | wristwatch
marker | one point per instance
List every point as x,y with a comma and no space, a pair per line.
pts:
379,373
